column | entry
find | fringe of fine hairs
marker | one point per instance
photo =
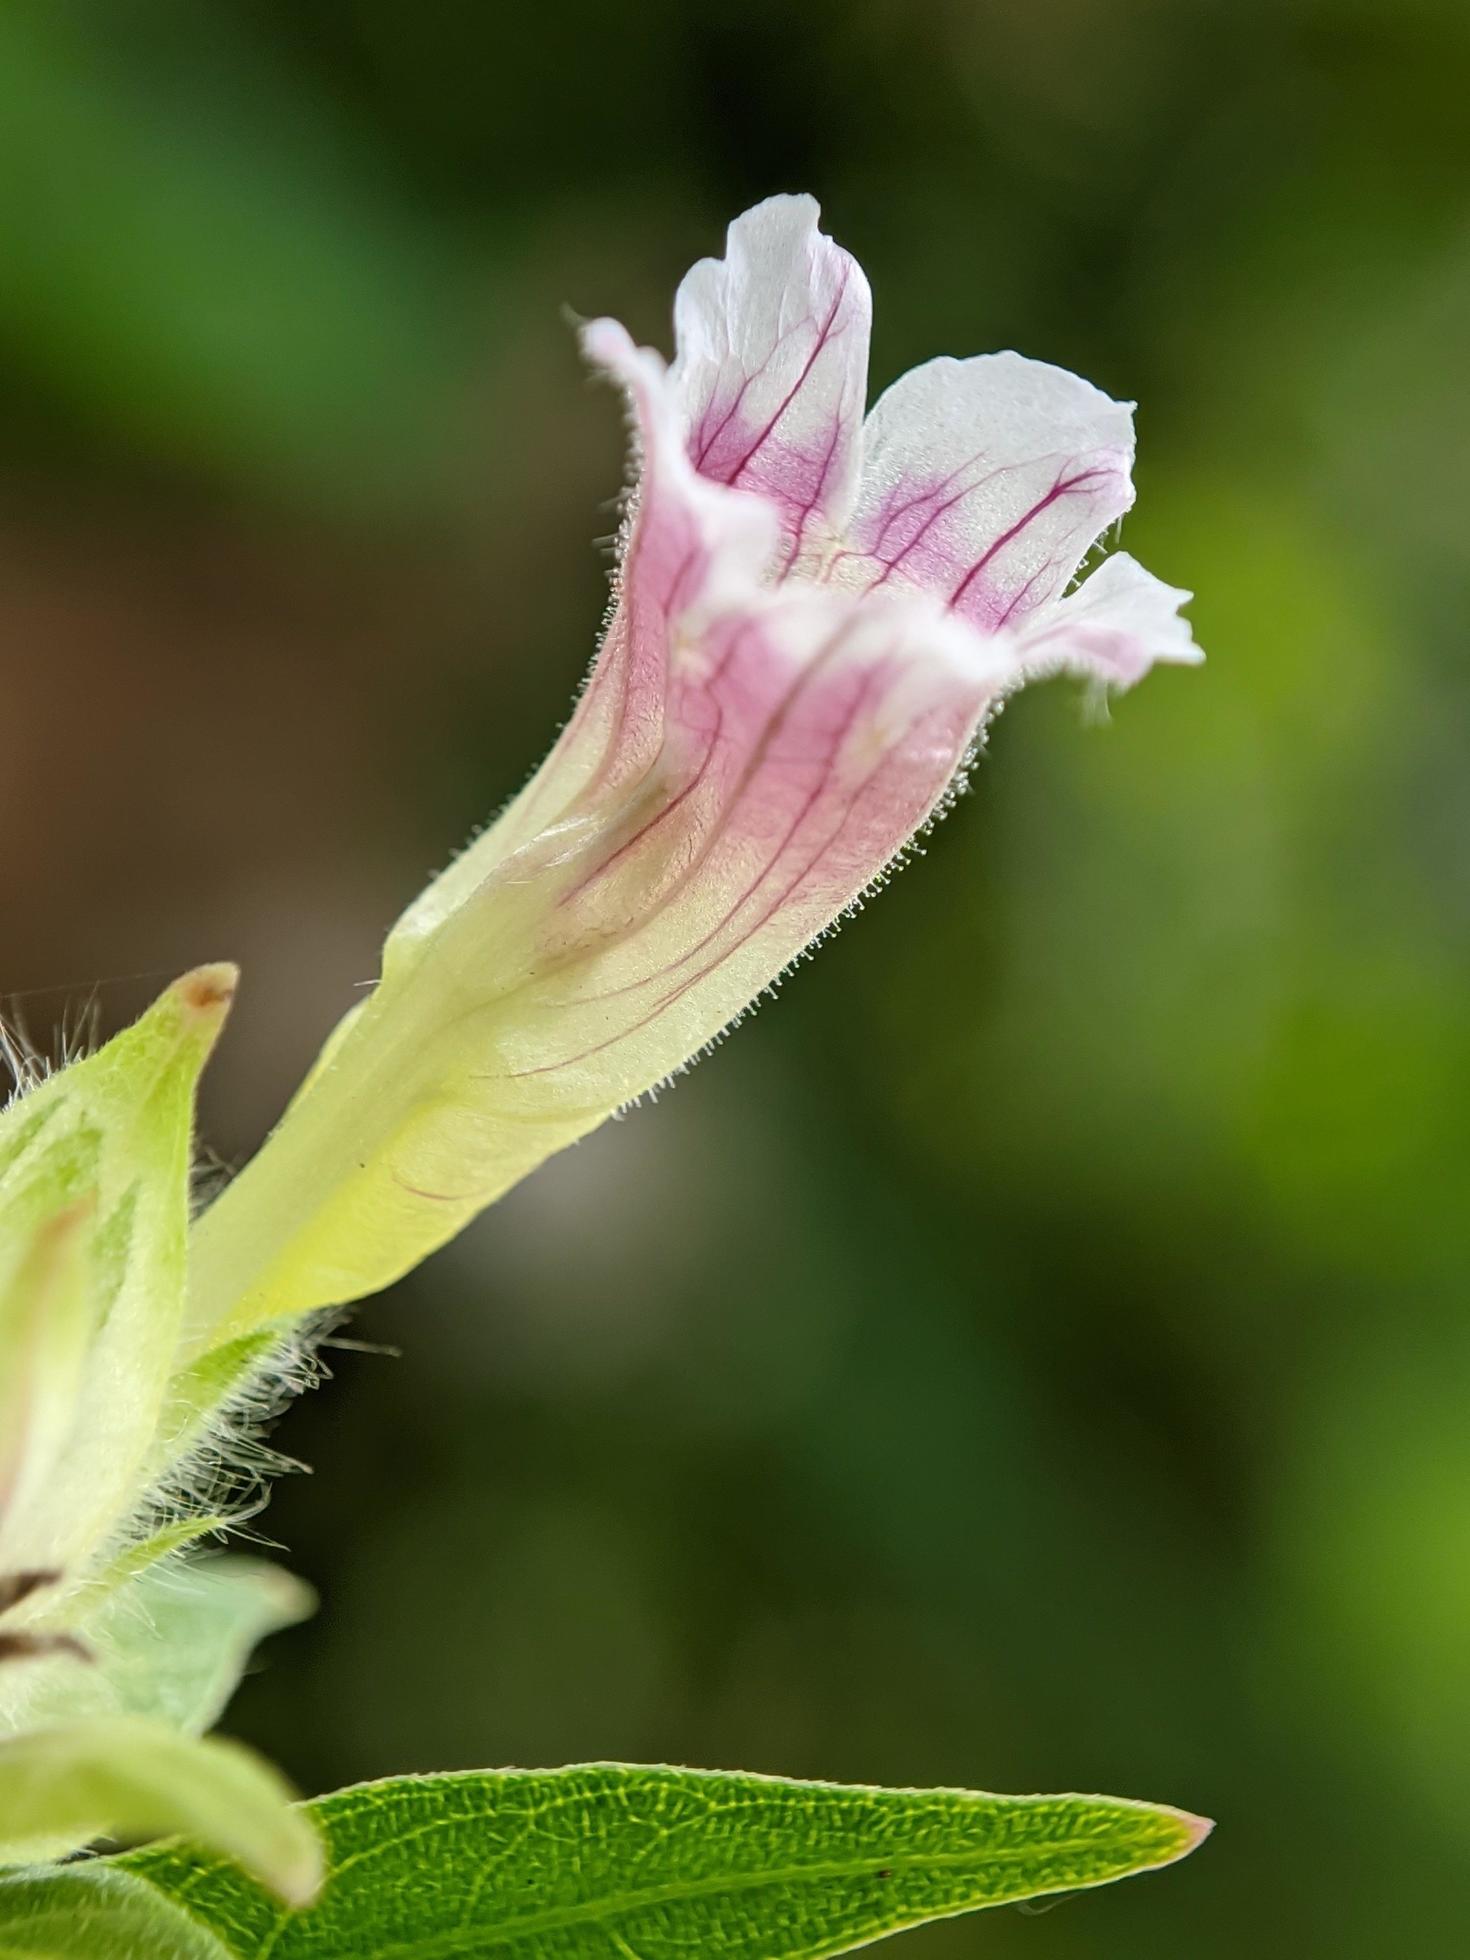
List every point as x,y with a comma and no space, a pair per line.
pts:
224,1473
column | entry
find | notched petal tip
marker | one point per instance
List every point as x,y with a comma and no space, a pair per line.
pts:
770,375
1115,627
772,232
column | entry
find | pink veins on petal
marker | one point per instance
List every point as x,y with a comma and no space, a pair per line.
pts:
1080,482
814,612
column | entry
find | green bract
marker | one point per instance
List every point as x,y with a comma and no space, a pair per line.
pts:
124,1777
94,1217
113,1653
169,1641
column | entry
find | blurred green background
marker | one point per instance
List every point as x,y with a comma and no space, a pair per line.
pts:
1035,1353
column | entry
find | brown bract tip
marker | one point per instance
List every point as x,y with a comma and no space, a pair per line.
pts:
209,989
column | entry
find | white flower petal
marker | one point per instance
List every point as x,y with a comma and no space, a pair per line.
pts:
690,548
1117,624
772,369
986,482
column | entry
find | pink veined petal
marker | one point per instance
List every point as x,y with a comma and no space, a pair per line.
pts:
747,758
1117,624
810,736
986,482
772,369
688,548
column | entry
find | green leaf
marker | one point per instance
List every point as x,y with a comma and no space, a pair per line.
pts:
129,1778
607,1862
91,1912
171,1642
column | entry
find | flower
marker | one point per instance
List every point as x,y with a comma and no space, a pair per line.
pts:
815,612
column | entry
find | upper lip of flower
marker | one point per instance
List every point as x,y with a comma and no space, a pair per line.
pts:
984,482
808,596
953,516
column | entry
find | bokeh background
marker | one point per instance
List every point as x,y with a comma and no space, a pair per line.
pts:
1035,1353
